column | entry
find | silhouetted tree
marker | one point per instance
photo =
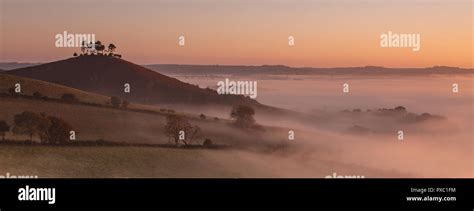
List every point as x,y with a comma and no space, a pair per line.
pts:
243,116
91,48
59,130
84,48
175,124
70,98
115,101
207,143
37,95
202,116
400,108
125,104
11,91
29,123
99,47
111,48
4,128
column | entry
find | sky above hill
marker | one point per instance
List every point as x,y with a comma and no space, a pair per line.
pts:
327,33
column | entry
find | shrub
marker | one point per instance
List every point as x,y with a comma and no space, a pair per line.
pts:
207,143
12,92
115,101
243,116
70,98
125,104
202,116
59,130
400,108
37,95
4,127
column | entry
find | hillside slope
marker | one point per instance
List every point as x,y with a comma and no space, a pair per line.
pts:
107,76
51,90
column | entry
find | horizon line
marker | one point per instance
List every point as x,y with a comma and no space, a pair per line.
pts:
260,65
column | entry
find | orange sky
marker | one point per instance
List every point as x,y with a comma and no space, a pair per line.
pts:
246,32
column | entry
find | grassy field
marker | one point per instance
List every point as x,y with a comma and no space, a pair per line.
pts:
153,162
109,162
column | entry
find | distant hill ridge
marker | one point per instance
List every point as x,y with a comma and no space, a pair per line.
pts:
275,69
281,69
15,65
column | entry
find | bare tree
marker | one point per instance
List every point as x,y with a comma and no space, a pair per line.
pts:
177,123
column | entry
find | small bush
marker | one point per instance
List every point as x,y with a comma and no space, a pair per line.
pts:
115,101
12,92
125,104
4,127
202,116
70,98
37,95
207,143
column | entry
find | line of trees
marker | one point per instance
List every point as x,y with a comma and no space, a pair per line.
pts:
97,48
49,129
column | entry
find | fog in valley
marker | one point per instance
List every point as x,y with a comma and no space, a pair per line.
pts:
438,147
